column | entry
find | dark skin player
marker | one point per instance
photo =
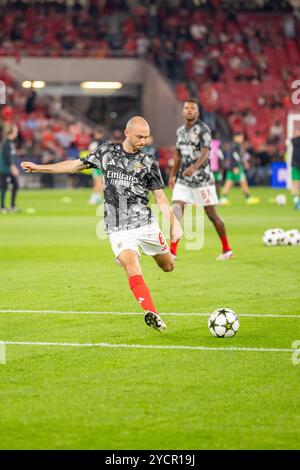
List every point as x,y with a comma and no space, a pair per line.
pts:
190,114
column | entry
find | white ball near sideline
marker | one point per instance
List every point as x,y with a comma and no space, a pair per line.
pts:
281,199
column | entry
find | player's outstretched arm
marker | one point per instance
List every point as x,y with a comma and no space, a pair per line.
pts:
67,166
164,205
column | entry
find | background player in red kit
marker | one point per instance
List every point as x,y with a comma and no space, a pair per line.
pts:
129,175
191,177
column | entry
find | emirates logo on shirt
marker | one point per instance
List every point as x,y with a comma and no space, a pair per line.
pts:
118,178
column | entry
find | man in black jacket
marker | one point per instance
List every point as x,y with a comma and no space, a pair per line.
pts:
8,170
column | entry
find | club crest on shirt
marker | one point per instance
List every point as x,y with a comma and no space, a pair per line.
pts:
137,167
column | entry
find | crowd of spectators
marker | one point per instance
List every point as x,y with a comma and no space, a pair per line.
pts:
47,133
240,65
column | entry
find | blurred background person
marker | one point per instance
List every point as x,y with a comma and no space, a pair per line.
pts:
235,172
47,179
72,154
9,172
216,156
296,169
150,147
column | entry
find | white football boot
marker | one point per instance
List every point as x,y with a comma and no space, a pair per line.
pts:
225,256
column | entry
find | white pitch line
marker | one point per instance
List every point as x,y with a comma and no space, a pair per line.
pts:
146,346
173,314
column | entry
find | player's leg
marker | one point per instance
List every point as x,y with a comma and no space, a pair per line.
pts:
295,194
295,187
245,188
178,208
15,188
218,181
129,259
225,190
221,231
165,262
3,185
181,196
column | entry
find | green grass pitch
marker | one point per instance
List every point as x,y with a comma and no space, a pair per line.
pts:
68,397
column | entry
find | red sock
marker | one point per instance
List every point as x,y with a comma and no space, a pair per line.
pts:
225,244
173,247
141,293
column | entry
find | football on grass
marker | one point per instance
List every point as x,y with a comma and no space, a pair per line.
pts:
273,237
292,237
223,323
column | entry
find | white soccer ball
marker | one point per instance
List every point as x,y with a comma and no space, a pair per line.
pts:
273,237
280,199
223,323
292,237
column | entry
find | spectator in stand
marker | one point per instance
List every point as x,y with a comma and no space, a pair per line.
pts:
258,139
116,136
168,58
7,114
150,147
142,44
236,121
275,101
289,27
198,31
72,154
30,102
215,70
47,179
249,118
276,133
5,76
64,137
166,160
82,138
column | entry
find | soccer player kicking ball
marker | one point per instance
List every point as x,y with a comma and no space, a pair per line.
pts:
191,177
129,175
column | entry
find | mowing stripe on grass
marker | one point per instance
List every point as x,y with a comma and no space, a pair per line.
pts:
174,314
146,346
2,353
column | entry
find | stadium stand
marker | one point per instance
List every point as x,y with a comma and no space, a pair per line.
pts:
239,63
